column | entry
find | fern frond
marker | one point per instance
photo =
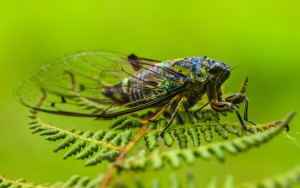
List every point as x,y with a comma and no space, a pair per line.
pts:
75,181
175,157
188,126
103,145
287,179
123,123
184,133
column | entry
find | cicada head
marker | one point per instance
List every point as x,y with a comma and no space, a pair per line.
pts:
218,71
202,69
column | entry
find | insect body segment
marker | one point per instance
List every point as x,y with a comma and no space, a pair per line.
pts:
145,86
106,85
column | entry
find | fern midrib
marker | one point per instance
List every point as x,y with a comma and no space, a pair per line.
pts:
264,126
23,184
113,169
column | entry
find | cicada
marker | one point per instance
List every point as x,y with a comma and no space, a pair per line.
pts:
107,85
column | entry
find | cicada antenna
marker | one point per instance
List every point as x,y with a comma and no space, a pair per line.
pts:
236,66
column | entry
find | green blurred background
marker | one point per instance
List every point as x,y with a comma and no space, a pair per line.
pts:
263,36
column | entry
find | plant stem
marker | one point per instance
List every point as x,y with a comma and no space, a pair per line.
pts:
113,168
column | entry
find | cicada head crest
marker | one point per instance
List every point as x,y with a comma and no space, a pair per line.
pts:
200,69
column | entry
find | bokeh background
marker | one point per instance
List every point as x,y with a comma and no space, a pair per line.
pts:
262,36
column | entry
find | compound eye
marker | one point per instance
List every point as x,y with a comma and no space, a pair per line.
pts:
215,68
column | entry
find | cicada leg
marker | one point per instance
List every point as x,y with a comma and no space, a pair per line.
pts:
179,106
239,98
227,106
219,105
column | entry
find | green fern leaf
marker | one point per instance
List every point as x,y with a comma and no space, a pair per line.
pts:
168,139
151,140
103,154
76,148
181,137
69,140
83,145
195,135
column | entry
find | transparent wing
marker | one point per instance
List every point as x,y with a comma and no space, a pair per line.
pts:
78,85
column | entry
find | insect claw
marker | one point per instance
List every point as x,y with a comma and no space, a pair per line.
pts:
287,128
162,134
250,130
165,128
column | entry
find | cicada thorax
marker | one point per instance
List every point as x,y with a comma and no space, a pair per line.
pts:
195,70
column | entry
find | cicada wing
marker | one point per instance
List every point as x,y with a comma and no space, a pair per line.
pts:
77,85
68,84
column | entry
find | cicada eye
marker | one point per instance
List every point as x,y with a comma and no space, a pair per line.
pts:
215,68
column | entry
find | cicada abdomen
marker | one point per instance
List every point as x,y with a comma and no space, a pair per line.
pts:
149,84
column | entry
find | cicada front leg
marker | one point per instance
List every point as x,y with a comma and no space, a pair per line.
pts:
219,105
239,98
227,106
